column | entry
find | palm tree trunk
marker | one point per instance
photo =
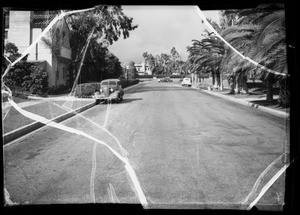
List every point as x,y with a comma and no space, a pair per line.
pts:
284,93
232,80
237,84
213,77
269,83
244,84
218,78
221,80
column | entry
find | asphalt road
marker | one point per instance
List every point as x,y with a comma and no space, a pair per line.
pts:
187,148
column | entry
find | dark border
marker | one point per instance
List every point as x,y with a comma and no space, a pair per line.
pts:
292,179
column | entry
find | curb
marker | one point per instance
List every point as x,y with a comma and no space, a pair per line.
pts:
12,135
132,86
262,108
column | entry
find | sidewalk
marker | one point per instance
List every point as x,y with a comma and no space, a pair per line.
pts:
255,100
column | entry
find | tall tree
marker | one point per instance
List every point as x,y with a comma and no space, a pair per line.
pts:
150,60
132,73
207,54
175,59
260,35
107,23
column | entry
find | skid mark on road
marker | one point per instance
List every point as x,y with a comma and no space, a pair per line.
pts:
93,173
107,113
123,151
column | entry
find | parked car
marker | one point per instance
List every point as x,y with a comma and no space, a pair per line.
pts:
110,89
168,79
186,82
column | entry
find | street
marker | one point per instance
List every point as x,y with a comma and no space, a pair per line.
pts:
187,149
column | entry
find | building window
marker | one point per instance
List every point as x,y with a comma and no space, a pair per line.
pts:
6,20
64,73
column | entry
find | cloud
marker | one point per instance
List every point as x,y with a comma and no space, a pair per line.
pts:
159,29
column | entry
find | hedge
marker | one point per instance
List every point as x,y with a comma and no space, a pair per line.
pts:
162,76
126,83
60,89
86,90
172,76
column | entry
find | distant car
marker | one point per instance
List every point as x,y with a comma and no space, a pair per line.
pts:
186,82
110,89
165,79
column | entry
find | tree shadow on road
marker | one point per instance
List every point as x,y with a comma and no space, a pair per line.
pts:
161,89
128,100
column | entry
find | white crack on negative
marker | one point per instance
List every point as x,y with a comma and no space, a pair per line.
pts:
259,179
112,194
126,162
8,201
199,12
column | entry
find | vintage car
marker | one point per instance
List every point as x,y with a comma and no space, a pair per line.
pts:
186,82
110,89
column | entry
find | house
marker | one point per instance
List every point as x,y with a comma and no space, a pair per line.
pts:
23,27
143,68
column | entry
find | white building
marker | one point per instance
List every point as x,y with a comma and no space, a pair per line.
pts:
23,27
143,68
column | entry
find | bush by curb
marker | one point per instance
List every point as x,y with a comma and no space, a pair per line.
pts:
87,90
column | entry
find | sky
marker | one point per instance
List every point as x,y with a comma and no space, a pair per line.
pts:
159,29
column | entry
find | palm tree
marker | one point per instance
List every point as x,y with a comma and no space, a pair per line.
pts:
207,53
260,35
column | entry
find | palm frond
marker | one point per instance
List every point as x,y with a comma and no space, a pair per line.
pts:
270,24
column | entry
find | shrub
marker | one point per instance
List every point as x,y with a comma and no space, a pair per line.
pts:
25,76
126,83
87,90
37,82
58,89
